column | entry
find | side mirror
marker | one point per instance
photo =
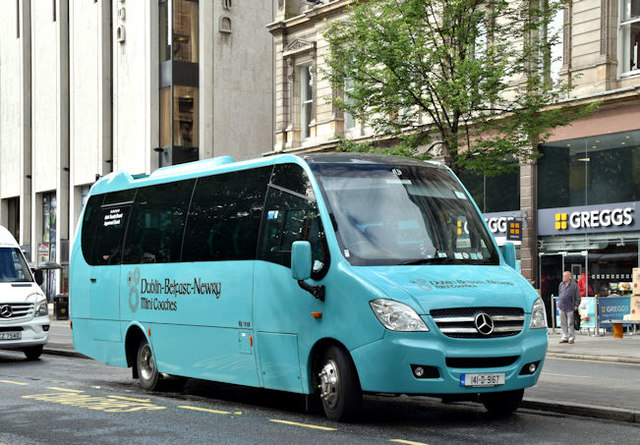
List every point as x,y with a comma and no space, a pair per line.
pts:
39,276
301,260
509,254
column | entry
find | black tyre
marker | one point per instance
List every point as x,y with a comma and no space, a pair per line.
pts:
339,386
33,352
502,403
148,374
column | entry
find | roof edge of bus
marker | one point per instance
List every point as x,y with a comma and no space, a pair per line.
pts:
203,164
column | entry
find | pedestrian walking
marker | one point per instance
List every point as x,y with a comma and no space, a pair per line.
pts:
568,302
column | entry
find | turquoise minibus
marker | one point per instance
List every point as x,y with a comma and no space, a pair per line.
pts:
331,275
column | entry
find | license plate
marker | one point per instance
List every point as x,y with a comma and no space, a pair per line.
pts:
479,380
10,335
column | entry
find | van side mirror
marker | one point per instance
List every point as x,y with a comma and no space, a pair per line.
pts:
509,254
301,268
39,276
301,260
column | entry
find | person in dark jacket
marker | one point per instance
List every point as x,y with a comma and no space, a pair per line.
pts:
568,302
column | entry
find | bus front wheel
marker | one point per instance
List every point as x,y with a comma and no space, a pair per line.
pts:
340,391
502,403
148,374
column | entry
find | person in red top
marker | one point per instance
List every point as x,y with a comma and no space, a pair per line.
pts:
582,286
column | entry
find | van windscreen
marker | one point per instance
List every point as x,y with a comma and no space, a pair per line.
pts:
13,267
403,214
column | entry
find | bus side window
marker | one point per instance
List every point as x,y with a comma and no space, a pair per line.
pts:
291,216
224,217
157,223
102,231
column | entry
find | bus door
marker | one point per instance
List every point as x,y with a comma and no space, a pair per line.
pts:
106,228
282,309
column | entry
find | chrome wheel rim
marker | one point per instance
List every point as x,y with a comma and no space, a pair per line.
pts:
330,384
147,364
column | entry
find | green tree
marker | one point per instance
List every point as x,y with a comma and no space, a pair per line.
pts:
469,75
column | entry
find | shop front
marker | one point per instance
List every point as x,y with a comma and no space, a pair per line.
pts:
589,214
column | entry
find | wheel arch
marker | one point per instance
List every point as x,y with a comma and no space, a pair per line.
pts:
315,356
135,334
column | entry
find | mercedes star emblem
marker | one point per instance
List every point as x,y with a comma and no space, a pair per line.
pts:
484,323
6,311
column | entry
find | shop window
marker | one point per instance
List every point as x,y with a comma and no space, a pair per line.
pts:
499,193
589,171
629,39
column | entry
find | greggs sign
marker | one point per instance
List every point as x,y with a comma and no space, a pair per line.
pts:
589,219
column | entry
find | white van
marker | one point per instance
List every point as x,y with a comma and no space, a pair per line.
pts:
24,314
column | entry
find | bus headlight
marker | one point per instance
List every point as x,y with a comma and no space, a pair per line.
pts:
538,315
42,308
397,316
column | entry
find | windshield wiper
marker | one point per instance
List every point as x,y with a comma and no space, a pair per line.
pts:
428,261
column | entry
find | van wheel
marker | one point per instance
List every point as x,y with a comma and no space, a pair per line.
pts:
502,403
340,391
148,374
33,352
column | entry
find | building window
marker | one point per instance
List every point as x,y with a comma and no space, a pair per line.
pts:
178,94
185,116
306,100
629,35
555,35
349,119
12,220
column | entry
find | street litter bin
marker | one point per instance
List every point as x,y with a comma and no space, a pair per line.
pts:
61,307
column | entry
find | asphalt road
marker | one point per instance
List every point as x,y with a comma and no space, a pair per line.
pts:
73,400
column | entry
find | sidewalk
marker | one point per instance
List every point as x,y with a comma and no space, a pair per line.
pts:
542,397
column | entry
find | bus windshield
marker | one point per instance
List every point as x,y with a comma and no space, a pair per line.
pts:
403,215
13,268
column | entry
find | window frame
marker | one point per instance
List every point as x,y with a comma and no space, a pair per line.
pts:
626,23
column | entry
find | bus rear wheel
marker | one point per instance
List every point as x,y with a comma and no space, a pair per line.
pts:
502,403
339,386
148,374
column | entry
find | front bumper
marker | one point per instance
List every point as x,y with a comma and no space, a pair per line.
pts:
33,332
385,366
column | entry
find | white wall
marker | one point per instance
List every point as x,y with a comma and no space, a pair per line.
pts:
135,89
242,81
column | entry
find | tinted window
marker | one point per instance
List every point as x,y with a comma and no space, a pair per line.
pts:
224,218
102,231
291,215
157,223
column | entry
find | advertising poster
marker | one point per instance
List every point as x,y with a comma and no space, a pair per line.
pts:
613,308
587,310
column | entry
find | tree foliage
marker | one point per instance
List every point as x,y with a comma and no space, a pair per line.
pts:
468,75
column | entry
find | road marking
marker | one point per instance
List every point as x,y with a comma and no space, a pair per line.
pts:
77,391
304,425
130,399
14,383
407,442
207,410
110,404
